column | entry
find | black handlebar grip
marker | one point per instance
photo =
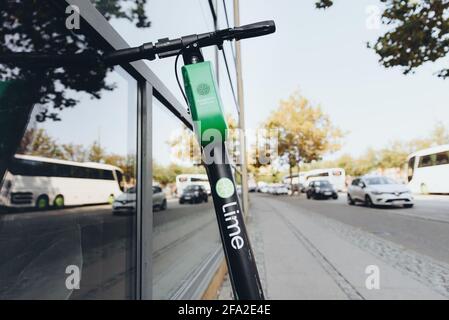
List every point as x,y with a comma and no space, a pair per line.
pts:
145,51
254,30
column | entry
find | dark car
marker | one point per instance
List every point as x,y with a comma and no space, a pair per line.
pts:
321,189
193,194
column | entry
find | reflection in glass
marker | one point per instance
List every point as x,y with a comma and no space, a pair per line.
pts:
68,143
61,203
185,234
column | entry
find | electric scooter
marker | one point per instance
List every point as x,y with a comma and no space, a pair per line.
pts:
203,99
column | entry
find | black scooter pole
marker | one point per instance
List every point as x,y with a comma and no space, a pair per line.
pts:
239,256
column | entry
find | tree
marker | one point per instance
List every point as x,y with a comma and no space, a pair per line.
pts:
419,33
126,163
96,153
306,133
37,26
440,134
38,142
394,155
263,151
74,152
167,174
132,10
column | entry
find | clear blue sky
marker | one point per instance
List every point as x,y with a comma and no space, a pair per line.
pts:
321,53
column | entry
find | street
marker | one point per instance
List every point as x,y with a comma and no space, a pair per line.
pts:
323,244
320,249
424,228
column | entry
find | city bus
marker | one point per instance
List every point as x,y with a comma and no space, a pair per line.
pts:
40,182
428,170
335,176
184,180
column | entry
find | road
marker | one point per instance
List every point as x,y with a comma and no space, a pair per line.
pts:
37,246
424,228
320,249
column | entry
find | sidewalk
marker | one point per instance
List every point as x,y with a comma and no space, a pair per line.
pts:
302,255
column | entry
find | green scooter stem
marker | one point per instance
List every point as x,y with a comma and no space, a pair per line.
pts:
205,102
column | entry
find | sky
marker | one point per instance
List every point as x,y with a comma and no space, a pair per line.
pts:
321,54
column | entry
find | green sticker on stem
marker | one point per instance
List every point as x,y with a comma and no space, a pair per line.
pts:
224,188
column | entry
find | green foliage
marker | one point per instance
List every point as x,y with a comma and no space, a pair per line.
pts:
132,10
323,4
40,27
306,133
269,174
419,33
96,152
167,174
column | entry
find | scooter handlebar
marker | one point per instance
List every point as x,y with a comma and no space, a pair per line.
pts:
167,48
254,30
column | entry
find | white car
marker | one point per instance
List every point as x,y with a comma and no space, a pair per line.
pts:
379,191
280,190
126,202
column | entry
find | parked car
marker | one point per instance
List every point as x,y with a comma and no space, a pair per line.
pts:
321,189
280,190
126,202
159,198
193,194
379,191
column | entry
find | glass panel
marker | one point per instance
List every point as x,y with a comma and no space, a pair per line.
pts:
185,229
66,229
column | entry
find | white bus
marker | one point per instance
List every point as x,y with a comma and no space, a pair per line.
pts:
184,180
428,170
335,176
43,182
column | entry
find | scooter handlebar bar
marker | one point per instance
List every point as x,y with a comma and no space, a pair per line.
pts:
167,48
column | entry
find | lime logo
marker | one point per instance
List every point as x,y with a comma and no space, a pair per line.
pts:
224,188
203,89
